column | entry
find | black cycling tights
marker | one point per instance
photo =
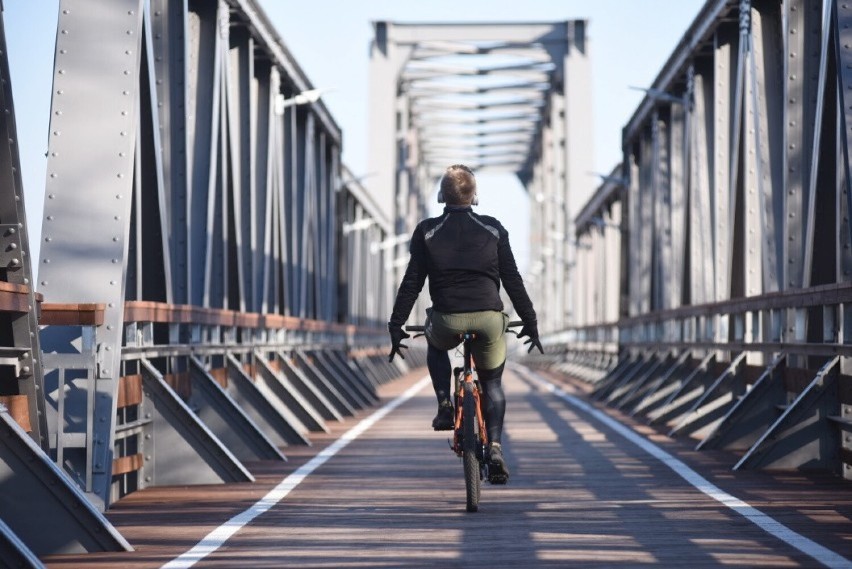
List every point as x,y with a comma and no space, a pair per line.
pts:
491,380
493,400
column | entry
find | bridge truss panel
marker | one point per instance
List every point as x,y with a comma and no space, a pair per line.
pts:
732,188
736,240
192,166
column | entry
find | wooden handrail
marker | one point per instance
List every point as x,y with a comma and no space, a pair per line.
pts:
83,314
14,297
160,312
71,314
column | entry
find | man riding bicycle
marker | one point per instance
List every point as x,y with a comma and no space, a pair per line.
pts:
466,256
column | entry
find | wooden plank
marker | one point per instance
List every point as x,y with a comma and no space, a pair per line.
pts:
125,464
181,383
220,374
19,409
129,391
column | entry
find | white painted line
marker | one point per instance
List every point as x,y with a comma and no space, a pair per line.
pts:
763,521
217,538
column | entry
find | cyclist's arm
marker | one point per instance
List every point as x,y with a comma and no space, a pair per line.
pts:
511,279
412,281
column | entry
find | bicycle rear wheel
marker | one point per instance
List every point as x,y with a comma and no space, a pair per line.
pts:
470,440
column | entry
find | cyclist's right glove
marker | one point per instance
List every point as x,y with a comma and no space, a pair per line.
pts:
531,329
397,335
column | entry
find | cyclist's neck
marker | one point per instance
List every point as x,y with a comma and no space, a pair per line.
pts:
457,208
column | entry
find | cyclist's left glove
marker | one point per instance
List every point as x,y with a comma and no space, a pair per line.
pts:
530,329
397,335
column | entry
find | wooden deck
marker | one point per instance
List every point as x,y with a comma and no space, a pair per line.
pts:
580,494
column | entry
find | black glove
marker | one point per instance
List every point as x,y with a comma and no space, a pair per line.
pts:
397,335
531,329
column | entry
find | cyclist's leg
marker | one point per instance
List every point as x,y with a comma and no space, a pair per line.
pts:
490,354
440,339
438,362
493,401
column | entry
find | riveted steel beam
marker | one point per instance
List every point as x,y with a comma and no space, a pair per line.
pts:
23,380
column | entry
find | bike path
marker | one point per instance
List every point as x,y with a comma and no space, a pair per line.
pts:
581,494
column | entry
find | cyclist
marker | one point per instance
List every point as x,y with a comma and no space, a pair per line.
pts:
466,256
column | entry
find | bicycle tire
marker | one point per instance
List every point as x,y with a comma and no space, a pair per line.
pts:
470,439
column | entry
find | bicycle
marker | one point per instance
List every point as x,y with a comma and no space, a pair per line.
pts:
470,435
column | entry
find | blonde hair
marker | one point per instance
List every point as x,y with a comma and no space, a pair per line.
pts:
458,185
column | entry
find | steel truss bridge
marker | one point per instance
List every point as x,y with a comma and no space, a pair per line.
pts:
213,281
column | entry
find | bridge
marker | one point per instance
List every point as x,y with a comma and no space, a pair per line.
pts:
194,370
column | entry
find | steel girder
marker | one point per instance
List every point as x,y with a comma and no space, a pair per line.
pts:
21,388
504,97
42,510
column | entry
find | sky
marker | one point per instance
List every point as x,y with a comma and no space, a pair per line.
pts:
630,41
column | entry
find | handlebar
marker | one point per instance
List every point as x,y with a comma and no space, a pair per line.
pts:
421,329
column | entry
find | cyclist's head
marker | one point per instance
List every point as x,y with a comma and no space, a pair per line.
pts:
458,186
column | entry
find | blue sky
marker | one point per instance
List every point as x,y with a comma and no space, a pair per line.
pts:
630,41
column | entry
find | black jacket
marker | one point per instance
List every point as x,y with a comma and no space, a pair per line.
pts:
466,256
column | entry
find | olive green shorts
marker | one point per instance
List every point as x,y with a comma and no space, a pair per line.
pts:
443,331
